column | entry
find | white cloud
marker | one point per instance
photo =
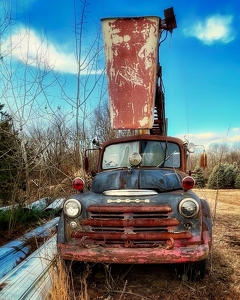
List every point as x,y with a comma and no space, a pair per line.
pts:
216,28
236,129
234,139
207,138
27,46
234,135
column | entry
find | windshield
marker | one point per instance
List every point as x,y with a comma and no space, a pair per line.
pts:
153,153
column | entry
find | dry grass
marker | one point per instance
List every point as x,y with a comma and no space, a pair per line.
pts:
69,281
60,282
155,282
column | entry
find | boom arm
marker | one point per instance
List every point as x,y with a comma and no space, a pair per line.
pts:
159,125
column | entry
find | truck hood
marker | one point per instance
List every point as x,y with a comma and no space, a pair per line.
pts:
154,179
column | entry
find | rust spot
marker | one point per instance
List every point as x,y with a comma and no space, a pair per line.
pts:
170,243
129,209
132,255
128,244
130,222
3,285
155,236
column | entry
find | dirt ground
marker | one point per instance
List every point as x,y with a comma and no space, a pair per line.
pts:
155,282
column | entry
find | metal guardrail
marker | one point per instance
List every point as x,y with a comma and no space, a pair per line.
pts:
16,251
31,279
39,204
24,277
55,205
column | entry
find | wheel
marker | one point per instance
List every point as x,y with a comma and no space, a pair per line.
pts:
194,271
74,268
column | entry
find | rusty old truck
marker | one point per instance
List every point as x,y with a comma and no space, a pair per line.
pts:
140,208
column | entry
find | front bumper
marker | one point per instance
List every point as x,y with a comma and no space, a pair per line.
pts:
158,255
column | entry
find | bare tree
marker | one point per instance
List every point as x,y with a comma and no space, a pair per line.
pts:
27,80
101,122
24,80
217,154
89,78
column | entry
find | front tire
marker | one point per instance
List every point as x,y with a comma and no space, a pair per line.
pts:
194,271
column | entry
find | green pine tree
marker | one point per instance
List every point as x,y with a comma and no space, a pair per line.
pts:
216,178
9,145
229,174
237,181
199,177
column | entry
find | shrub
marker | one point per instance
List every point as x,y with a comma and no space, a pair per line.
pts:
237,181
229,176
216,178
199,177
18,217
223,176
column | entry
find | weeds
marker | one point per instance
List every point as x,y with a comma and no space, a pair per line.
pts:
17,221
61,284
144,282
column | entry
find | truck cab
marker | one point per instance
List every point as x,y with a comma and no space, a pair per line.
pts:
140,209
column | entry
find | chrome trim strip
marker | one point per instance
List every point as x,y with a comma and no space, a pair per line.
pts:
133,192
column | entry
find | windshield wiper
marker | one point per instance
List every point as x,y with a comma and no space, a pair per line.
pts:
166,158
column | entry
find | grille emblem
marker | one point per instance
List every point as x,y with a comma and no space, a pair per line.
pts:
128,201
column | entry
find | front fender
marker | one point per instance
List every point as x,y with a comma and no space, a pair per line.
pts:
207,220
60,230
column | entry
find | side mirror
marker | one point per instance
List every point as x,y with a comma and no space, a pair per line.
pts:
191,147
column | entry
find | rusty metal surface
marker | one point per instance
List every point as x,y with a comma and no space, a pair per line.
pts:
154,236
131,50
129,209
160,180
130,222
132,256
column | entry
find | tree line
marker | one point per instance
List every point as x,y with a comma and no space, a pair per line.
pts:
222,176
223,171
52,160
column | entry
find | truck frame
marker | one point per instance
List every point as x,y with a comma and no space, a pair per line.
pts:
140,208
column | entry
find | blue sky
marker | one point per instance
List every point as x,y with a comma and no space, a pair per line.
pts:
201,61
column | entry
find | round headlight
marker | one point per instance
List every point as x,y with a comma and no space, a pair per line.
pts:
72,208
188,208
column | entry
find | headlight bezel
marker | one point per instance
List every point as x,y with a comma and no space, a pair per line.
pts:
66,208
188,215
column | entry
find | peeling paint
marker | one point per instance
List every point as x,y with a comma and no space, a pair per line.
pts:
144,122
128,255
131,50
145,108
